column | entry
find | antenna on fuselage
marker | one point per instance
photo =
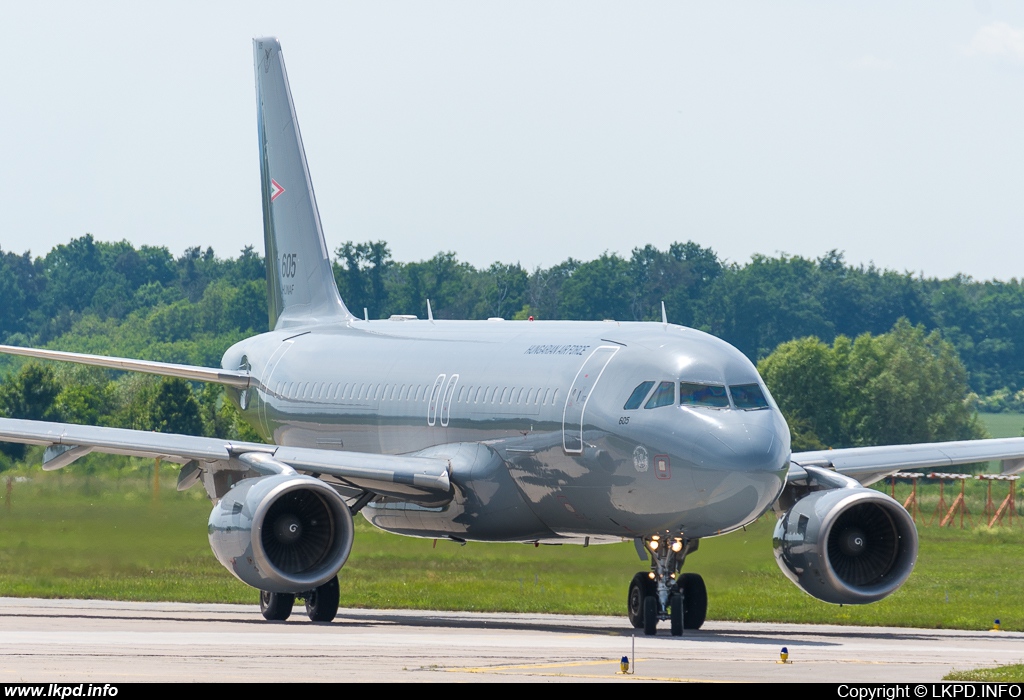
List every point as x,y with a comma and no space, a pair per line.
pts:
430,314
664,316
366,314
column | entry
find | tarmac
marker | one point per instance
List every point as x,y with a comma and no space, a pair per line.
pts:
63,641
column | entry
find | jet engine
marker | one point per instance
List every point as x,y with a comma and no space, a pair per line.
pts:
847,545
284,533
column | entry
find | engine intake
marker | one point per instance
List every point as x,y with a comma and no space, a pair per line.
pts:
285,533
849,545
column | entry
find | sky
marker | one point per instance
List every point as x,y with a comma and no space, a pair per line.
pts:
531,131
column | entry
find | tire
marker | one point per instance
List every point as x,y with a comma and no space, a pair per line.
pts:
650,615
639,588
276,606
322,601
676,614
695,600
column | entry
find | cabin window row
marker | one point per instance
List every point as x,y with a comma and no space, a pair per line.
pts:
467,394
747,397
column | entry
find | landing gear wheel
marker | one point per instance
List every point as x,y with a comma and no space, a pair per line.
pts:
676,614
639,588
276,606
322,601
695,600
651,615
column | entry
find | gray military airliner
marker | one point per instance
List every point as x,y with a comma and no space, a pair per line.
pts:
535,432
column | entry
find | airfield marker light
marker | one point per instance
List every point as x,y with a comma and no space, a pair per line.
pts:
996,627
677,545
653,544
784,656
624,664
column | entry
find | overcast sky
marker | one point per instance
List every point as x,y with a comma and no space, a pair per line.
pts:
531,131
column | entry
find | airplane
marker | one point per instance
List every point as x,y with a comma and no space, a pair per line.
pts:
499,431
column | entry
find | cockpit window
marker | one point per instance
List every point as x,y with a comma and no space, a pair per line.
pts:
748,396
664,395
638,396
711,395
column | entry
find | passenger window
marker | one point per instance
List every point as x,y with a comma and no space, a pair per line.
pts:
748,396
638,396
710,395
664,395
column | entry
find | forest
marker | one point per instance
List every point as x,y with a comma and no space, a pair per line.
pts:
113,298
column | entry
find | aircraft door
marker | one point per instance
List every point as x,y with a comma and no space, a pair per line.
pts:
579,394
263,389
436,396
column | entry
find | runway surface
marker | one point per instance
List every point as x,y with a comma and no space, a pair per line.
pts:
103,641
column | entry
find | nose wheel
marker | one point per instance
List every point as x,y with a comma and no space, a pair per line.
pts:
664,593
640,588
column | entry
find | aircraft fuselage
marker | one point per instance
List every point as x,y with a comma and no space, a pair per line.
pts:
533,419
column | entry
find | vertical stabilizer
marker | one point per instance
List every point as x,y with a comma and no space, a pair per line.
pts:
300,283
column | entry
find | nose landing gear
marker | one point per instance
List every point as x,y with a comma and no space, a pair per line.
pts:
664,593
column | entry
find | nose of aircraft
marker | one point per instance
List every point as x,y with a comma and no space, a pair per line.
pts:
745,441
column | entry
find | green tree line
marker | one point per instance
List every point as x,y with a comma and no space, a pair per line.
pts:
114,298
94,296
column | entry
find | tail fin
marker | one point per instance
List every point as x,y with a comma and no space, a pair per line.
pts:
300,282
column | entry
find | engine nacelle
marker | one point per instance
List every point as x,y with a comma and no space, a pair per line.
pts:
284,534
849,545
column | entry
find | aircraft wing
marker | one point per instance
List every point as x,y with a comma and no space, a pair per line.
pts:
870,464
236,378
402,476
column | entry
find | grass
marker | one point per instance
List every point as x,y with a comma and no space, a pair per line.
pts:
63,535
1013,673
1000,425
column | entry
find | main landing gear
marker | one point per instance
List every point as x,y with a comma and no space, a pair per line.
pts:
321,603
664,593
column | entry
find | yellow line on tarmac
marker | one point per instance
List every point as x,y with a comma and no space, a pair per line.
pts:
518,667
504,670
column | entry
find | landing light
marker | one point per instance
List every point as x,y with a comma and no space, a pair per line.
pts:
676,546
653,544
